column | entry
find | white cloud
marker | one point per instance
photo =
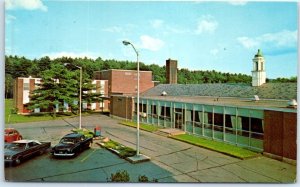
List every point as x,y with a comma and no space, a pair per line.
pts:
206,24
9,18
113,29
248,42
25,4
283,39
157,23
214,52
238,2
153,44
70,54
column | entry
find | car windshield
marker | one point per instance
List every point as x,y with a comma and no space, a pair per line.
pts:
15,146
67,141
9,133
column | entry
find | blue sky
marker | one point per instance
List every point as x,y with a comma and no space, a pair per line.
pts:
219,36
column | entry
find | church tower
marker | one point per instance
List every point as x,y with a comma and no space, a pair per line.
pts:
258,72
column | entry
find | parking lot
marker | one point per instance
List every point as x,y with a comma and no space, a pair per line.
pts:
171,160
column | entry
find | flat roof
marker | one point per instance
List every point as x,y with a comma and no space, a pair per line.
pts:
263,104
122,70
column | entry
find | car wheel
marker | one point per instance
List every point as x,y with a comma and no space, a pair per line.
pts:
18,161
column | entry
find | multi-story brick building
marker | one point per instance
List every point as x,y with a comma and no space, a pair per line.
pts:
24,86
124,82
108,83
22,89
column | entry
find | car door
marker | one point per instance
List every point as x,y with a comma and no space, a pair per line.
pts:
31,148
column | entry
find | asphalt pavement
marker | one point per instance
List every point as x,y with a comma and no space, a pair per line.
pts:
171,161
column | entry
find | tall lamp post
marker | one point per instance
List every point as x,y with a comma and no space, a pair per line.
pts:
138,98
80,90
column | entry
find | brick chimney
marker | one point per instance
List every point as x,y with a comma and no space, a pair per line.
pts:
171,71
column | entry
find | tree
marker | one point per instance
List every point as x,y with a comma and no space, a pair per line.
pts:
8,86
58,86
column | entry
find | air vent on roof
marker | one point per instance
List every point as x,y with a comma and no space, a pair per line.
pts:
256,98
164,93
292,103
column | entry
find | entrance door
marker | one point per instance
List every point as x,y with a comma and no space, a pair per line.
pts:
178,121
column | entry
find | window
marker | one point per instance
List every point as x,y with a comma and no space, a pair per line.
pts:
228,123
26,86
166,111
153,109
256,125
143,107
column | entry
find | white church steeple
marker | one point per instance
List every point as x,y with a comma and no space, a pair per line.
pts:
258,72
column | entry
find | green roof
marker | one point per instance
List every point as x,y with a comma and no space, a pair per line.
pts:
259,53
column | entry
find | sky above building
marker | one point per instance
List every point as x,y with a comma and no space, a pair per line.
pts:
220,36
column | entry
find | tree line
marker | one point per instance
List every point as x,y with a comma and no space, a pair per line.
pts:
16,66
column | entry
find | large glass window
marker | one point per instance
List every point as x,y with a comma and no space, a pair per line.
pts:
153,110
189,121
197,116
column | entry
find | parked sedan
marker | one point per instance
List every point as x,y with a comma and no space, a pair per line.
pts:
18,151
71,145
11,135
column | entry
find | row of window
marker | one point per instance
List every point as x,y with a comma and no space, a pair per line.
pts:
244,123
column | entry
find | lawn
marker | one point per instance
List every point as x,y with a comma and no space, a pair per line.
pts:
149,128
216,146
17,118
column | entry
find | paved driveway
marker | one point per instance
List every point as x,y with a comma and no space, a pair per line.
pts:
171,160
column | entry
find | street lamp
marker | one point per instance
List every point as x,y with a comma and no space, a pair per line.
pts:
80,90
138,98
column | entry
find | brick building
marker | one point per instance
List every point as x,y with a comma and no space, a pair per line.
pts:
22,89
124,82
261,117
24,86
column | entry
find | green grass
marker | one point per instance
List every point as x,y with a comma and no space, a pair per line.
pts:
123,150
17,118
87,133
149,128
216,146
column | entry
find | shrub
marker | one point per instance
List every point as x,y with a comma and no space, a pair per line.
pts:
120,176
127,152
144,178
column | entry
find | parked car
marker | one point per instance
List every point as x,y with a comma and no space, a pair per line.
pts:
71,145
11,135
18,151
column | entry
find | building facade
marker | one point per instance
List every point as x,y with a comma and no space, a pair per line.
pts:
124,82
234,121
22,89
24,86
258,117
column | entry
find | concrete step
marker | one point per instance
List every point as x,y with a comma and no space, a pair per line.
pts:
169,132
160,133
